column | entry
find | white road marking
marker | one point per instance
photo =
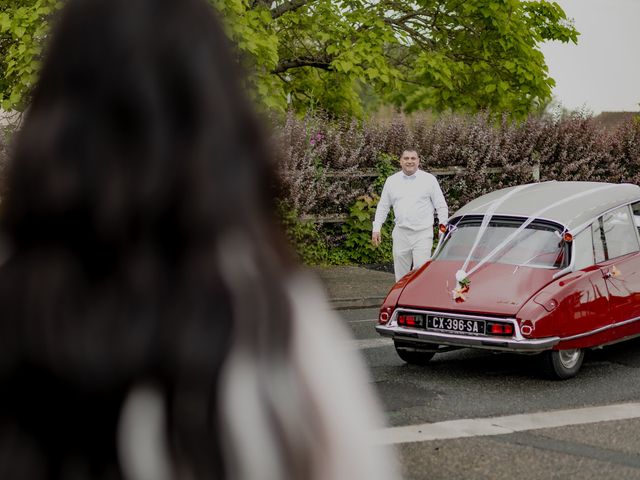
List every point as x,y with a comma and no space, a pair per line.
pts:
372,343
474,427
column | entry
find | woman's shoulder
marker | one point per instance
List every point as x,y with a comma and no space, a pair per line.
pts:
335,374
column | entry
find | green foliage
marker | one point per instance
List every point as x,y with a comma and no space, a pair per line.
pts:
251,28
23,28
303,237
446,55
386,165
310,53
484,55
358,233
343,55
313,248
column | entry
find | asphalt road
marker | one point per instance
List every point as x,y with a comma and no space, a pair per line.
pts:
473,384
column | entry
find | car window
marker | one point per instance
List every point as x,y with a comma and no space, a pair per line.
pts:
583,248
636,214
614,235
599,244
539,245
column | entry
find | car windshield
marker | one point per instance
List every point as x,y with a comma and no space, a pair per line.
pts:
539,245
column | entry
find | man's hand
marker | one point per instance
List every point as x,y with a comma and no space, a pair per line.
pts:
375,238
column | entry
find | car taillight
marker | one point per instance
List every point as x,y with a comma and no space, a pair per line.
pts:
385,315
410,320
504,329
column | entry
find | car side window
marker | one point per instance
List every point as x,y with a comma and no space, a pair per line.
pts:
636,214
599,243
583,249
614,235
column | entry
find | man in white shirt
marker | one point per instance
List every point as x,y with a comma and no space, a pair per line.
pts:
414,195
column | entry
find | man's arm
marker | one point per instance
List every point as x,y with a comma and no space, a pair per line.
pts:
439,203
382,210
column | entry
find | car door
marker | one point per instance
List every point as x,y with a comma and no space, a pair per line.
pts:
585,301
616,238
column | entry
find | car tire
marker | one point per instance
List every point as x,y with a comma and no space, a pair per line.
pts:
414,355
562,364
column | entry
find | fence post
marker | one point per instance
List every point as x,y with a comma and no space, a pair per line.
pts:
535,171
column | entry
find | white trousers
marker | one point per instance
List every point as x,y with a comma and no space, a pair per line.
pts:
410,248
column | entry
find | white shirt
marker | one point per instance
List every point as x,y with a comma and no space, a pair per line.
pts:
413,199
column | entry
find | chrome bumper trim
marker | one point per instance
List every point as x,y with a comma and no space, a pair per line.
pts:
601,329
517,343
491,343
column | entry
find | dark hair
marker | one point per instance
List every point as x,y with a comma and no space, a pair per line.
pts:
409,149
139,164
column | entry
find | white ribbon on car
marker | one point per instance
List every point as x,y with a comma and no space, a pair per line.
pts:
462,276
462,273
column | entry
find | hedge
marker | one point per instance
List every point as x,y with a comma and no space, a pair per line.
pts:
314,148
321,160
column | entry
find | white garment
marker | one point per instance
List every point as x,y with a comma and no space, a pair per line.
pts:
341,414
410,248
413,199
340,420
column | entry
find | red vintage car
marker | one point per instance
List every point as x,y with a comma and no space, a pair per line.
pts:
550,268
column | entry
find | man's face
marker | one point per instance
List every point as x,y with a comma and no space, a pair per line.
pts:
409,161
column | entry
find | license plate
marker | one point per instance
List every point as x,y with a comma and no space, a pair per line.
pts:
451,324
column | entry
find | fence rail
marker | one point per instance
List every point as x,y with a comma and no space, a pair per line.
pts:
370,173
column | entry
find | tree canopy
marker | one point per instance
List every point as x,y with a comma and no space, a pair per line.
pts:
347,56
23,29
462,55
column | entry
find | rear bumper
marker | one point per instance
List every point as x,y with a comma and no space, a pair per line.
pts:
519,345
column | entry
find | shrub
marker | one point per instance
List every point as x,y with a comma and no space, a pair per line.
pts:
323,160
307,149
303,237
357,230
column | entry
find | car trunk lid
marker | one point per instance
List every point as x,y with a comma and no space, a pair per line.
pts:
496,288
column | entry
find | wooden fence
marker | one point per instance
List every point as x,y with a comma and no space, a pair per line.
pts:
447,171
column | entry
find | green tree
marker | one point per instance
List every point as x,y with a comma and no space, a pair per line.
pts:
23,28
462,55
485,55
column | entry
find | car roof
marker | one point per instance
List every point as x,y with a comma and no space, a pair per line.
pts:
572,204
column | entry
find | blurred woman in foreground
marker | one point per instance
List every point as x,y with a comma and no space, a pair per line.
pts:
152,325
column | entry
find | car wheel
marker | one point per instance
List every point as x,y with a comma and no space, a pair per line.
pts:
414,355
562,364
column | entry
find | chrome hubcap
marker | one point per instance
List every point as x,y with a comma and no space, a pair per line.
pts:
569,358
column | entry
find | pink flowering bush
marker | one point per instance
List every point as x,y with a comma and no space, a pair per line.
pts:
318,163
326,164
625,150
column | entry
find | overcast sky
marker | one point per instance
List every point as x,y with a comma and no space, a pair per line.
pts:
602,72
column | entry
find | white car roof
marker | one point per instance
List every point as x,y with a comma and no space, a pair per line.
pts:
571,204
